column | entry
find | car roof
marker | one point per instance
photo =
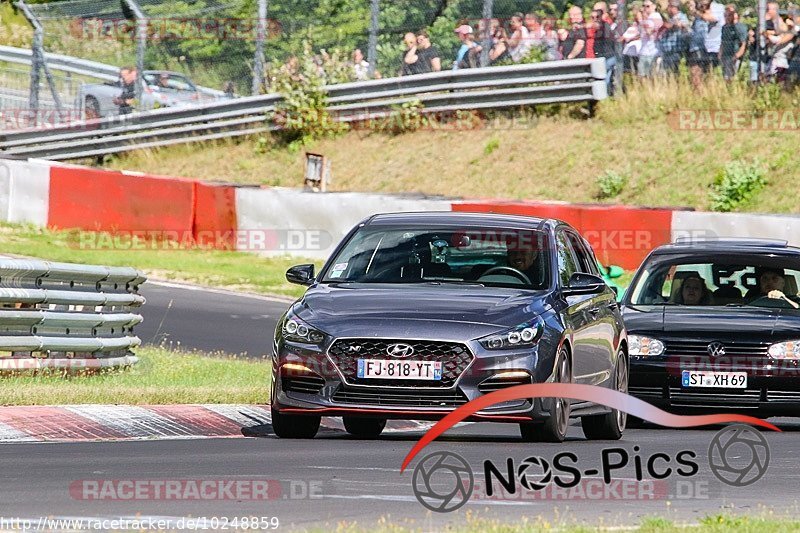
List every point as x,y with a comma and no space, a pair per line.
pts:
447,218
743,246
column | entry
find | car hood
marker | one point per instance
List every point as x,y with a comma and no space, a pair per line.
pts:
444,312
732,321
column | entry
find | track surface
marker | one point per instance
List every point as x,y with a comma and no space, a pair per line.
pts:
189,318
360,481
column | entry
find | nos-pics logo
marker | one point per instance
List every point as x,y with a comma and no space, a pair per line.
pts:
443,481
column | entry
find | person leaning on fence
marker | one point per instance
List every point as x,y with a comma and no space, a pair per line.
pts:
673,41
127,97
468,55
733,43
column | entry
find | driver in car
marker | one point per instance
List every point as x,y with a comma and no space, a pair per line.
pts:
771,284
524,259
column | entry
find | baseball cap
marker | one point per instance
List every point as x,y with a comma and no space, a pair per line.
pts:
464,28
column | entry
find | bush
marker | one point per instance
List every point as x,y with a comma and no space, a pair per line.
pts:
302,115
736,184
610,184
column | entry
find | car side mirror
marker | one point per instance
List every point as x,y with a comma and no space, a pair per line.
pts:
301,274
580,283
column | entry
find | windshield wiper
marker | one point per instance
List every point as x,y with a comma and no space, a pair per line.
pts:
454,282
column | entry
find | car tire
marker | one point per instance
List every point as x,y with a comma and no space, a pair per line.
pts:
91,108
554,429
610,426
364,428
294,426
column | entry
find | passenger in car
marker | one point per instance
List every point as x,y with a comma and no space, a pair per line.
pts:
694,291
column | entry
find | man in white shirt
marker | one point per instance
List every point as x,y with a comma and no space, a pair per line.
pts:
651,24
715,16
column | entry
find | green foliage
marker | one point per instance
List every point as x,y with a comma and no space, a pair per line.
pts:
492,145
767,96
302,114
404,118
736,185
610,184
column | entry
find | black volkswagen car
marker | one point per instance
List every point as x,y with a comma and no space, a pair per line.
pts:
415,314
716,324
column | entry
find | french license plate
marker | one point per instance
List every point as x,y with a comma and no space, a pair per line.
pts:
385,369
718,380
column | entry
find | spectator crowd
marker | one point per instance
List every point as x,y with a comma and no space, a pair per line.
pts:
656,39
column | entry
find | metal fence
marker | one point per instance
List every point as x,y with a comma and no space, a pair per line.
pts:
70,316
580,80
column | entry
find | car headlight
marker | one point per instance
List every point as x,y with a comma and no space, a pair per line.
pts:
640,346
521,336
296,330
785,350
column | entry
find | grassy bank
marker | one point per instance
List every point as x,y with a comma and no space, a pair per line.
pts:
556,157
231,270
161,377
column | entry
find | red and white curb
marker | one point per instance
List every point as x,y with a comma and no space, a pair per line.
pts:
84,423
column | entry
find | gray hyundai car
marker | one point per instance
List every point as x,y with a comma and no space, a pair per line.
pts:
415,314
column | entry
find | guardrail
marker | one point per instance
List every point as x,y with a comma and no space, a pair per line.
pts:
63,315
579,80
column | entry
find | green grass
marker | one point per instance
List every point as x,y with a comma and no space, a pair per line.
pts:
474,524
548,157
232,270
161,377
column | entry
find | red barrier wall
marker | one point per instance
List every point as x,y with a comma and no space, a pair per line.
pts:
620,235
215,216
100,200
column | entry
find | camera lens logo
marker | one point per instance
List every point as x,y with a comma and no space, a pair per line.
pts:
527,473
738,455
443,482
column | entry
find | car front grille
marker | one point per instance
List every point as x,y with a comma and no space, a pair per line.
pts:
680,397
303,384
699,348
399,398
455,358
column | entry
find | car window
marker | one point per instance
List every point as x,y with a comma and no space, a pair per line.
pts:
172,82
567,264
490,256
725,282
586,261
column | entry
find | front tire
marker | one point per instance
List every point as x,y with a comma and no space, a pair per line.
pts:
364,428
294,426
610,426
555,427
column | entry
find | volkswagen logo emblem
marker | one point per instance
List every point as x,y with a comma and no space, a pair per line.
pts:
716,349
400,350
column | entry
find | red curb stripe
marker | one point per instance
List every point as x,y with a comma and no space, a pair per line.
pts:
201,421
55,424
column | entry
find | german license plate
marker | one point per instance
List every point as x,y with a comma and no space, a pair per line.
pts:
386,369
714,380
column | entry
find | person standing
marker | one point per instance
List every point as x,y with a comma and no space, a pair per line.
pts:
467,55
604,46
574,44
519,44
127,97
672,42
410,62
651,25
428,54
733,43
715,17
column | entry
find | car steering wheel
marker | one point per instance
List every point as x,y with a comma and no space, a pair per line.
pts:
513,270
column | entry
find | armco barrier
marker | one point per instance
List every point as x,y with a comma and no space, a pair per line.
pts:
620,235
62,315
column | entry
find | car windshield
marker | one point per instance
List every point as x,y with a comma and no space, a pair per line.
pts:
486,256
770,283
169,82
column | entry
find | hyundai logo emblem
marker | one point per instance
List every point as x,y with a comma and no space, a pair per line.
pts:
400,350
716,349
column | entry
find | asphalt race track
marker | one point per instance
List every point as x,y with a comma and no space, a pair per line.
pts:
189,318
359,481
